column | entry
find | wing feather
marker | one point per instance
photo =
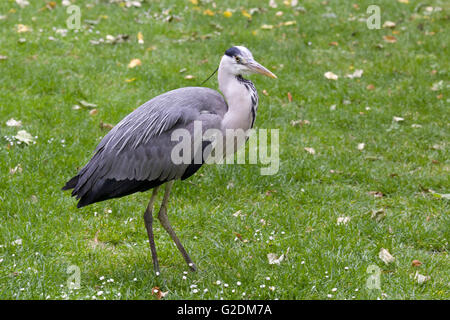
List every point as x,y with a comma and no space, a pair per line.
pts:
139,147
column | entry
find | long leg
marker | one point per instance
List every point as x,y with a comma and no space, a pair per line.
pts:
148,219
164,219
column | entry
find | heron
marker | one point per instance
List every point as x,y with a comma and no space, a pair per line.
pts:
135,155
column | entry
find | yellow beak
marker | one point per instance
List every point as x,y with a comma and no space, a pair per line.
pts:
258,68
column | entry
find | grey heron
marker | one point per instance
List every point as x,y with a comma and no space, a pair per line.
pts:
136,154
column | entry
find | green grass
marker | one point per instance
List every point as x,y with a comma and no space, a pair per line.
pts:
42,79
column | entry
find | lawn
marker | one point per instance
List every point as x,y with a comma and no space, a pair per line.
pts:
374,174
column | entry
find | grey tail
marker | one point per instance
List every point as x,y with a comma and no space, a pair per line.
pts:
71,183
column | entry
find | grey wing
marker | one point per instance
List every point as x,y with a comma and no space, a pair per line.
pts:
136,154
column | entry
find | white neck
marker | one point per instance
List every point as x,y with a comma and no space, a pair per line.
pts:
239,115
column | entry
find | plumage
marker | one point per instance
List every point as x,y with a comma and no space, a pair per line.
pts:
138,147
136,154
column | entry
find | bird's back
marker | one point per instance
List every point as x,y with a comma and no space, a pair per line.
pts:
136,154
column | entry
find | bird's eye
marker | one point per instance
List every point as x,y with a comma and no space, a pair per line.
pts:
238,60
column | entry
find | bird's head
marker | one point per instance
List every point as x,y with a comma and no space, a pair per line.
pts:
239,60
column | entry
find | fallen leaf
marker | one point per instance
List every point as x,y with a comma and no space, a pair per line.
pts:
289,97
333,44
289,23
237,213
267,27
389,24
330,75
13,123
23,28
274,259
106,125
390,39
437,86
87,104
310,150
93,112
356,74
134,63
385,256
158,293
416,263
238,235
421,278
24,136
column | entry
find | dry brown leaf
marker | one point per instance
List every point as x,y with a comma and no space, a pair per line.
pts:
385,256
390,39
158,293
289,97
134,63
93,112
105,125
239,236
416,263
